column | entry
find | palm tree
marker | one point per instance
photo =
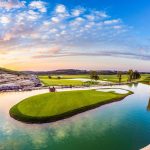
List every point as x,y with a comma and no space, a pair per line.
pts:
119,74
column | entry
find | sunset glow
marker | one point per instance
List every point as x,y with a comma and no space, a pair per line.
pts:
49,35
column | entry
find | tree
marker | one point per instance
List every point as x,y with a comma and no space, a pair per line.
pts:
94,75
119,74
59,77
136,75
49,76
130,75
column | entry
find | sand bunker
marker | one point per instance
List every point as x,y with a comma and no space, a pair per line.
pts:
120,91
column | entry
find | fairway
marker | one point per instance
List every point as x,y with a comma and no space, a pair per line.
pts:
61,82
54,106
54,81
145,78
113,78
64,80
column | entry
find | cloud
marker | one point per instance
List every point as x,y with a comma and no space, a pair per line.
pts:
9,4
96,54
4,20
76,31
60,8
110,22
77,12
55,19
39,5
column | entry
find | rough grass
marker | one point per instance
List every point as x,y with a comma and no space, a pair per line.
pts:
55,106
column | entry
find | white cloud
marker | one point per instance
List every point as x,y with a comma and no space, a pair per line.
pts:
55,19
53,30
40,5
90,17
117,27
101,14
60,8
4,20
30,28
77,12
114,21
32,15
7,37
9,4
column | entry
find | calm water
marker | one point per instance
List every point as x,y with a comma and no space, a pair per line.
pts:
123,125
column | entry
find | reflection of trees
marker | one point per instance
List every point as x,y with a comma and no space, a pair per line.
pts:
130,85
148,106
135,84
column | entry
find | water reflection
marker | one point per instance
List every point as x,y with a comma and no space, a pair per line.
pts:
133,84
148,106
100,128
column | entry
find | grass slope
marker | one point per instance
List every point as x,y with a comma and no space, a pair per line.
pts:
55,106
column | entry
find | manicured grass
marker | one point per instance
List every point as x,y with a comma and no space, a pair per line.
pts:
113,78
145,79
59,82
63,81
55,106
66,76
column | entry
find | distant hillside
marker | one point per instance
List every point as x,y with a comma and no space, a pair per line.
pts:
61,71
4,70
70,72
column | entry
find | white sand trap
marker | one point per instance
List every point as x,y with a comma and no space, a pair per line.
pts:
119,91
85,80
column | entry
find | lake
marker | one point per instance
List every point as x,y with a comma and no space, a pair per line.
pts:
123,125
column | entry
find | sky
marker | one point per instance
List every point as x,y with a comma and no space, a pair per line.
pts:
62,34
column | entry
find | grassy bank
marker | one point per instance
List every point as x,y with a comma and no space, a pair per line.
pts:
55,106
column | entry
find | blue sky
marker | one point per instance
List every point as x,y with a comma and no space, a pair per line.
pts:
93,34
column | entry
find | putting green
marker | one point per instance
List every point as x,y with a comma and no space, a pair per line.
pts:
55,106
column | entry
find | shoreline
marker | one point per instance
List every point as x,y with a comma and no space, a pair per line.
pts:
68,87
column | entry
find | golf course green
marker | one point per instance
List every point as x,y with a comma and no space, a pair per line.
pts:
51,107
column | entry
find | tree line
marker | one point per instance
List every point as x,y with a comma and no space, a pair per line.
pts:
132,75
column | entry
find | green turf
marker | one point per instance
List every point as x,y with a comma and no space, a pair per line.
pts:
66,76
49,106
113,78
63,81
57,82
145,78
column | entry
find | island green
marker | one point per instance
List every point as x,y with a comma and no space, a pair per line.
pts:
51,107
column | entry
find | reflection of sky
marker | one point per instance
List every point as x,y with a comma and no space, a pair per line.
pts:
89,127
